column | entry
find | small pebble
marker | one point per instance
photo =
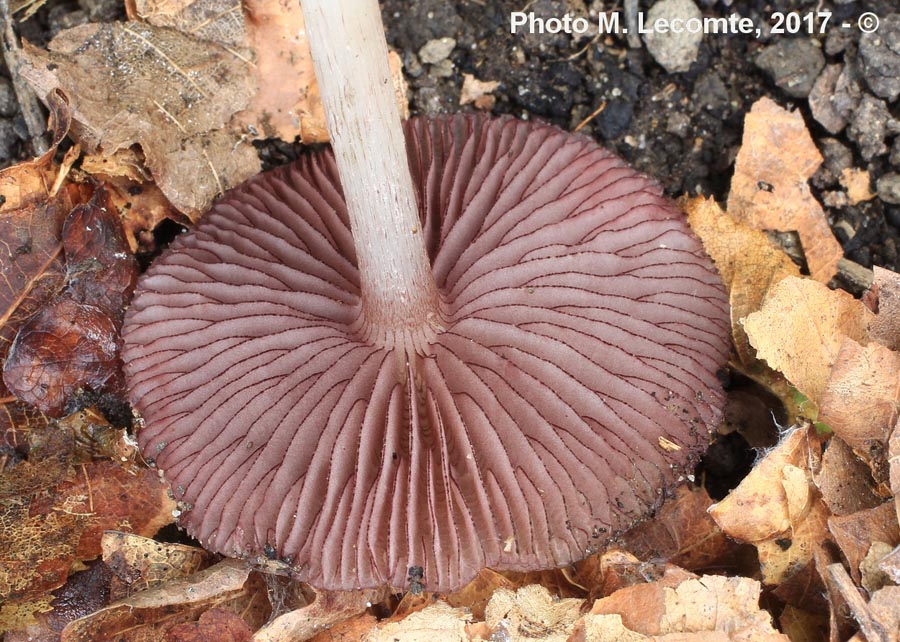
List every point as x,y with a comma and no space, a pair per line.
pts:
880,54
888,187
895,153
676,52
793,64
869,127
436,50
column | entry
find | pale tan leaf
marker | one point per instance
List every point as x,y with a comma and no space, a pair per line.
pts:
328,607
859,402
439,621
750,265
770,189
800,328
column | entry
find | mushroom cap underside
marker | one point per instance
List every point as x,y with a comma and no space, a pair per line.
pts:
573,381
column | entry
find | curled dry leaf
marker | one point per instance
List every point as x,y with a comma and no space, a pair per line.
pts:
800,329
140,203
770,190
229,585
171,94
749,263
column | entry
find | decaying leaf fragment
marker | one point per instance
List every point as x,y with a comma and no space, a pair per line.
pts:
770,190
777,508
531,612
680,607
440,621
53,512
171,94
229,585
749,264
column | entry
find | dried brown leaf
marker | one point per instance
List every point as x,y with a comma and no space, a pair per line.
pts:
770,191
72,343
531,612
139,563
682,533
800,329
728,605
782,557
750,265
354,629
844,480
439,621
859,402
772,495
171,94
885,327
215,624
229,585
328,608
856,533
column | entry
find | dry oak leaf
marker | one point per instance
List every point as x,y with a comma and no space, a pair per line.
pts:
748,262
800,329
776,494
770,190
728,606
171,94
144,616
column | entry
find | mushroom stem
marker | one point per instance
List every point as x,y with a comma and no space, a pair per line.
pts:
399,295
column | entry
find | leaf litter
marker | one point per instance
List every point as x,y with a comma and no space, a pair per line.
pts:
830,484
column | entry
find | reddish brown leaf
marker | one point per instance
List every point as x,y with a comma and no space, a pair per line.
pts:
215,624
683,533
63,348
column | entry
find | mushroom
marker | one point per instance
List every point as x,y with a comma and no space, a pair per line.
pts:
496,347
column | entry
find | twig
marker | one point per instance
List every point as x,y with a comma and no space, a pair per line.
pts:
631,21
591,117
28,102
